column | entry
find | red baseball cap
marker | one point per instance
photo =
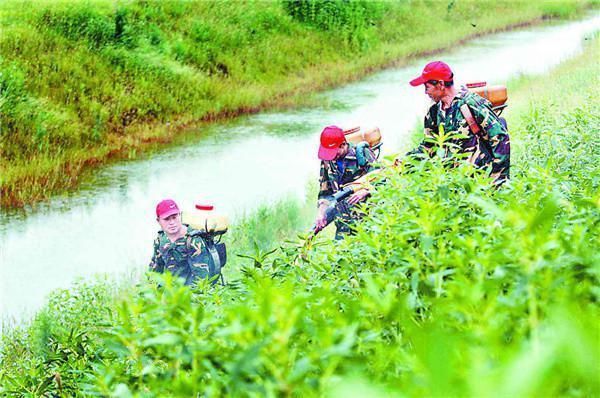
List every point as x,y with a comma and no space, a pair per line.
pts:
331,139
436,70
166,208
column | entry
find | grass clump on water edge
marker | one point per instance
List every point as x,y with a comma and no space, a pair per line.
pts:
82,82
449,288
257,235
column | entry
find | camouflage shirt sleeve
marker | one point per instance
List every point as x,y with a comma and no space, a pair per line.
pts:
495,135
157,263
326,180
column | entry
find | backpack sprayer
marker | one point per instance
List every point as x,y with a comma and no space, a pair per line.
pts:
496,94
371,136
211,227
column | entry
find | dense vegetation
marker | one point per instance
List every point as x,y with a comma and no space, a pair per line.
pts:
449,288
85,81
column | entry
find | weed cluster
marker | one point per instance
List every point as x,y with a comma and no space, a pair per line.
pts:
354,21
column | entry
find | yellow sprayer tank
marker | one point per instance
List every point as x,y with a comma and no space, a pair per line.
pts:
203,218
496,94
372,136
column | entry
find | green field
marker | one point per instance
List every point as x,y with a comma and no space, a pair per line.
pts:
83,82
449,288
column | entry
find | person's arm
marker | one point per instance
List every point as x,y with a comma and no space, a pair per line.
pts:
326,187
497,137
358,196
326,190
157,263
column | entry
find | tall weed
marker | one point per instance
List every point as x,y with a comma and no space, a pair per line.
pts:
352,20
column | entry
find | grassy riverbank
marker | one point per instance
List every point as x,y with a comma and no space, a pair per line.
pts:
83,82
448,288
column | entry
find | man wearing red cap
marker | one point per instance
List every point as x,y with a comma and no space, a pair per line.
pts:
484,138
341,163
179,248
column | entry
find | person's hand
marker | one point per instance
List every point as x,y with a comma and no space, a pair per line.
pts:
358,196
320,221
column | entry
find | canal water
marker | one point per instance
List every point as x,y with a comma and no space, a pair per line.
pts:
107,227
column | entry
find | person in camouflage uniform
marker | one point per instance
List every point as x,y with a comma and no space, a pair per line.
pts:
488,148
178,248
342,162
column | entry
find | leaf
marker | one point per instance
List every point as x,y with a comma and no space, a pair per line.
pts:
122,391
163,339
301,368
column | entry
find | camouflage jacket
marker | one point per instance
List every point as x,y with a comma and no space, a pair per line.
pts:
187,257
491,149
335,173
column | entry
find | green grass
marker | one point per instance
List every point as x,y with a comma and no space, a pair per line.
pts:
449,288
264,230
82,82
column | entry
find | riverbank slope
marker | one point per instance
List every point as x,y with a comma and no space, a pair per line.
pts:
84,82
448,288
